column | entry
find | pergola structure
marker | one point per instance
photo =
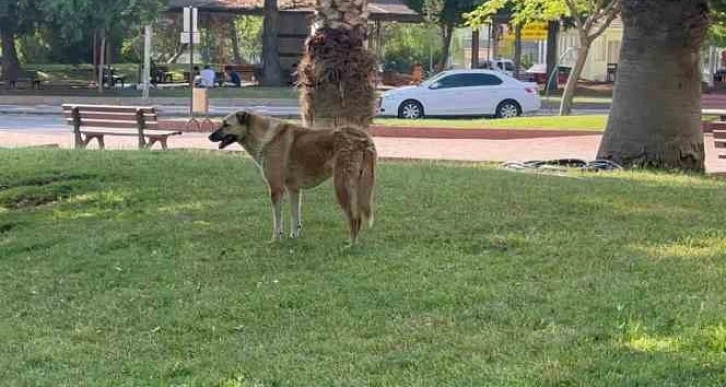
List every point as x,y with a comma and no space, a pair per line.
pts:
296,17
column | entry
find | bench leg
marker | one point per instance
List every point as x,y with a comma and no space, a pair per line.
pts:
78,141
101,144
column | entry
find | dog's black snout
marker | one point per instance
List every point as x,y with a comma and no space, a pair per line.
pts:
216,136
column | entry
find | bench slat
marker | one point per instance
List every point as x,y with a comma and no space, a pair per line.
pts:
111,123
108,108
129,132
111,115
718,134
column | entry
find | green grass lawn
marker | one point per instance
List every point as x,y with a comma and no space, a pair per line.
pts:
126,268
585,122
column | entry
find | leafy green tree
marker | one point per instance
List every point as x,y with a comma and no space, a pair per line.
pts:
17,17
446,14
73,19
407,43
590,17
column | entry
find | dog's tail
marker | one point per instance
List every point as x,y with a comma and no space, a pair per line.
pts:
354,177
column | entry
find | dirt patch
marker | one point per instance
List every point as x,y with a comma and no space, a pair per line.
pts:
35,191
6,227
39,181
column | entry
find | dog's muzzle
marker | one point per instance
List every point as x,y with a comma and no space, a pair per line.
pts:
222,138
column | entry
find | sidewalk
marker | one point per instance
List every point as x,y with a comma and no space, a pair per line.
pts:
583,147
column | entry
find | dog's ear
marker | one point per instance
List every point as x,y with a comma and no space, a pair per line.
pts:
242,117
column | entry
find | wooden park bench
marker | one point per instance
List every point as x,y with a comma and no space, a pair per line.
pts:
96,121
25,76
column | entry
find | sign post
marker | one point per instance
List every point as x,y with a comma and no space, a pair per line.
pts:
147,62
190,31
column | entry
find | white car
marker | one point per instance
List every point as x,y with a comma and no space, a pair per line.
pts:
462,93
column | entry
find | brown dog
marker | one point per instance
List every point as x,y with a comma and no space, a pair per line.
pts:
292,158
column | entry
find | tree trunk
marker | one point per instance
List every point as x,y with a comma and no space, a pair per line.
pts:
101,56
569,94
337,73
447,31
474,47
495,39
271,71
553,30
235,41
517,49
10,63
655,119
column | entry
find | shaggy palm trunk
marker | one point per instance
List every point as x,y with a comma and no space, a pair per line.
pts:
568,95
271,71
655,120
336,74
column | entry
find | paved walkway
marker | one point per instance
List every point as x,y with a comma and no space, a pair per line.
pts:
583,147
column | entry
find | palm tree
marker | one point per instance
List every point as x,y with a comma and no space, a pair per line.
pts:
655,119
336,73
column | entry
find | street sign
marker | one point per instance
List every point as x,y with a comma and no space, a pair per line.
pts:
191,17
184,36
530,32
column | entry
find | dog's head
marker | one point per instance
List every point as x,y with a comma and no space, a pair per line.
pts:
234,128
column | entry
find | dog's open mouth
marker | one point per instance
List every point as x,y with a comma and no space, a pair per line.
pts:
226,140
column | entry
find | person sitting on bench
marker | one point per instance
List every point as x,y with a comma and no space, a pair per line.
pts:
207,77
234,78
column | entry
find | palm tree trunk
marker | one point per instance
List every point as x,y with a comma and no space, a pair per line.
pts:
655,119
568,95
337,72
271,71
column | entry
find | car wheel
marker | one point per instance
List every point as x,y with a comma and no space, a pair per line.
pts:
410,110
508,109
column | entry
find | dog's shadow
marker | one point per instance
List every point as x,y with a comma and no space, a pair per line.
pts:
301,247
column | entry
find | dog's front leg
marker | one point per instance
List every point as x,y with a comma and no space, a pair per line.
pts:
295,204
276,198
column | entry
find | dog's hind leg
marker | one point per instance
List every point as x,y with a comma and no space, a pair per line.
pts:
347,194
295,206
276,198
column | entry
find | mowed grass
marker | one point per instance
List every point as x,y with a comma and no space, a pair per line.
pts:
147,268
595,123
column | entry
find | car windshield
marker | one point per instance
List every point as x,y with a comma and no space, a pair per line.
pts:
434,78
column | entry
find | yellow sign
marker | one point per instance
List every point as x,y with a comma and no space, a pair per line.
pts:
530,32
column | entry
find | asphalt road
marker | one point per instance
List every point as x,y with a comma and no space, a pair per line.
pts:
30,121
